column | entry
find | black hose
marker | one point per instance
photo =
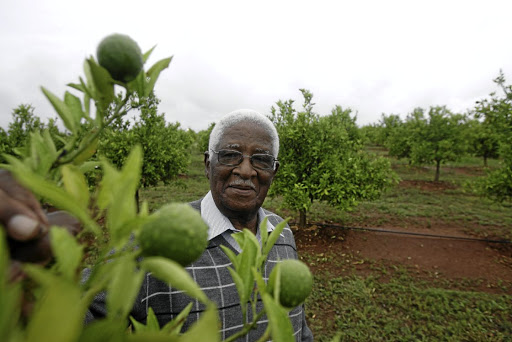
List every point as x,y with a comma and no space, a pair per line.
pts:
409,233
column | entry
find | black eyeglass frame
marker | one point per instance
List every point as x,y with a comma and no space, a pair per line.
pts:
242,156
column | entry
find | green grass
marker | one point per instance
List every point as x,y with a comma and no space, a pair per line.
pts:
390,303
404,309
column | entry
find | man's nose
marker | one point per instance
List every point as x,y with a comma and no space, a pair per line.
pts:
245,168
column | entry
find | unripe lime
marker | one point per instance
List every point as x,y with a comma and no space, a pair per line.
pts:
295,285
121,56
176,232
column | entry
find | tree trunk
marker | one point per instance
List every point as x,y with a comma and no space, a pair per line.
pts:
302,219
438,166
485,160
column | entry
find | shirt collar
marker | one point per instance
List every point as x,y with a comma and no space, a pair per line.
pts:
217,222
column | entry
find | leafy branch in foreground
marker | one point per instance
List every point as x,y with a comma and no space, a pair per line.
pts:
61,295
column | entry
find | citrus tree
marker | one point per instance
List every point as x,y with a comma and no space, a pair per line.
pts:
24,122
322,159
482,139
437,138
164,145
58,175
496,112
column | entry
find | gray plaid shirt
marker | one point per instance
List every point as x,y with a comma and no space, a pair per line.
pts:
211,273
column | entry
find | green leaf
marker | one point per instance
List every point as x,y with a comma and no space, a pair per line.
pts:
138,326
231,255
121,198
74,104
239,238
70,121
88,152
147,54
274,236
87,96
275,279
107,190
151,323
42,152
10,294
103,83
254,241
40,275
88,166
77,86
104,330
264,231
175,275
123,287
75,185
247,262
280,326
138,85
57,315
260,282
154,72
174,326
205,329
68,253
240,287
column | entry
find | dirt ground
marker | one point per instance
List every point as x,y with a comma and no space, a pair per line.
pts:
460,262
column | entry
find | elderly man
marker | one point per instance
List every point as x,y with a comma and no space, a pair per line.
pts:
240,164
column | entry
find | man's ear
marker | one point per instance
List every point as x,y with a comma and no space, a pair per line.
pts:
276,167
207,164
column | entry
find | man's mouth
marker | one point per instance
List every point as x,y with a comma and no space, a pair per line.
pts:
242,185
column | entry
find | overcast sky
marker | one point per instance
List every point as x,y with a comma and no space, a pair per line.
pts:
371,56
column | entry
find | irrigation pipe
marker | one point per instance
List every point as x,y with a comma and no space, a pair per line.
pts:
409,233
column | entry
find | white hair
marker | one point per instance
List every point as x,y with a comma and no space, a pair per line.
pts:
244,115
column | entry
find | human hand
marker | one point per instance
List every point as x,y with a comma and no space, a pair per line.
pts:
27,225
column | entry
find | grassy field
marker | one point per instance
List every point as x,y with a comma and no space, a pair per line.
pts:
389,302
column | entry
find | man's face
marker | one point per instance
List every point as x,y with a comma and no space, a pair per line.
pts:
240,190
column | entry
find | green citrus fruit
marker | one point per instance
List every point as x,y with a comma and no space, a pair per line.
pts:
121,56
176,232
295,285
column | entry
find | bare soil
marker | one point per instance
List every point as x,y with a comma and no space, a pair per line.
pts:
456,262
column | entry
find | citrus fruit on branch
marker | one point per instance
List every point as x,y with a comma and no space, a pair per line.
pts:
296,282
177,232
121,56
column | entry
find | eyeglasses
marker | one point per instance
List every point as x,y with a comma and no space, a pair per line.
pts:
260,161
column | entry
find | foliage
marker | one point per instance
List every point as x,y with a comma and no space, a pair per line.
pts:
496,112
24,122
164,145
321,159
388,125
426,140
203,138
482,139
